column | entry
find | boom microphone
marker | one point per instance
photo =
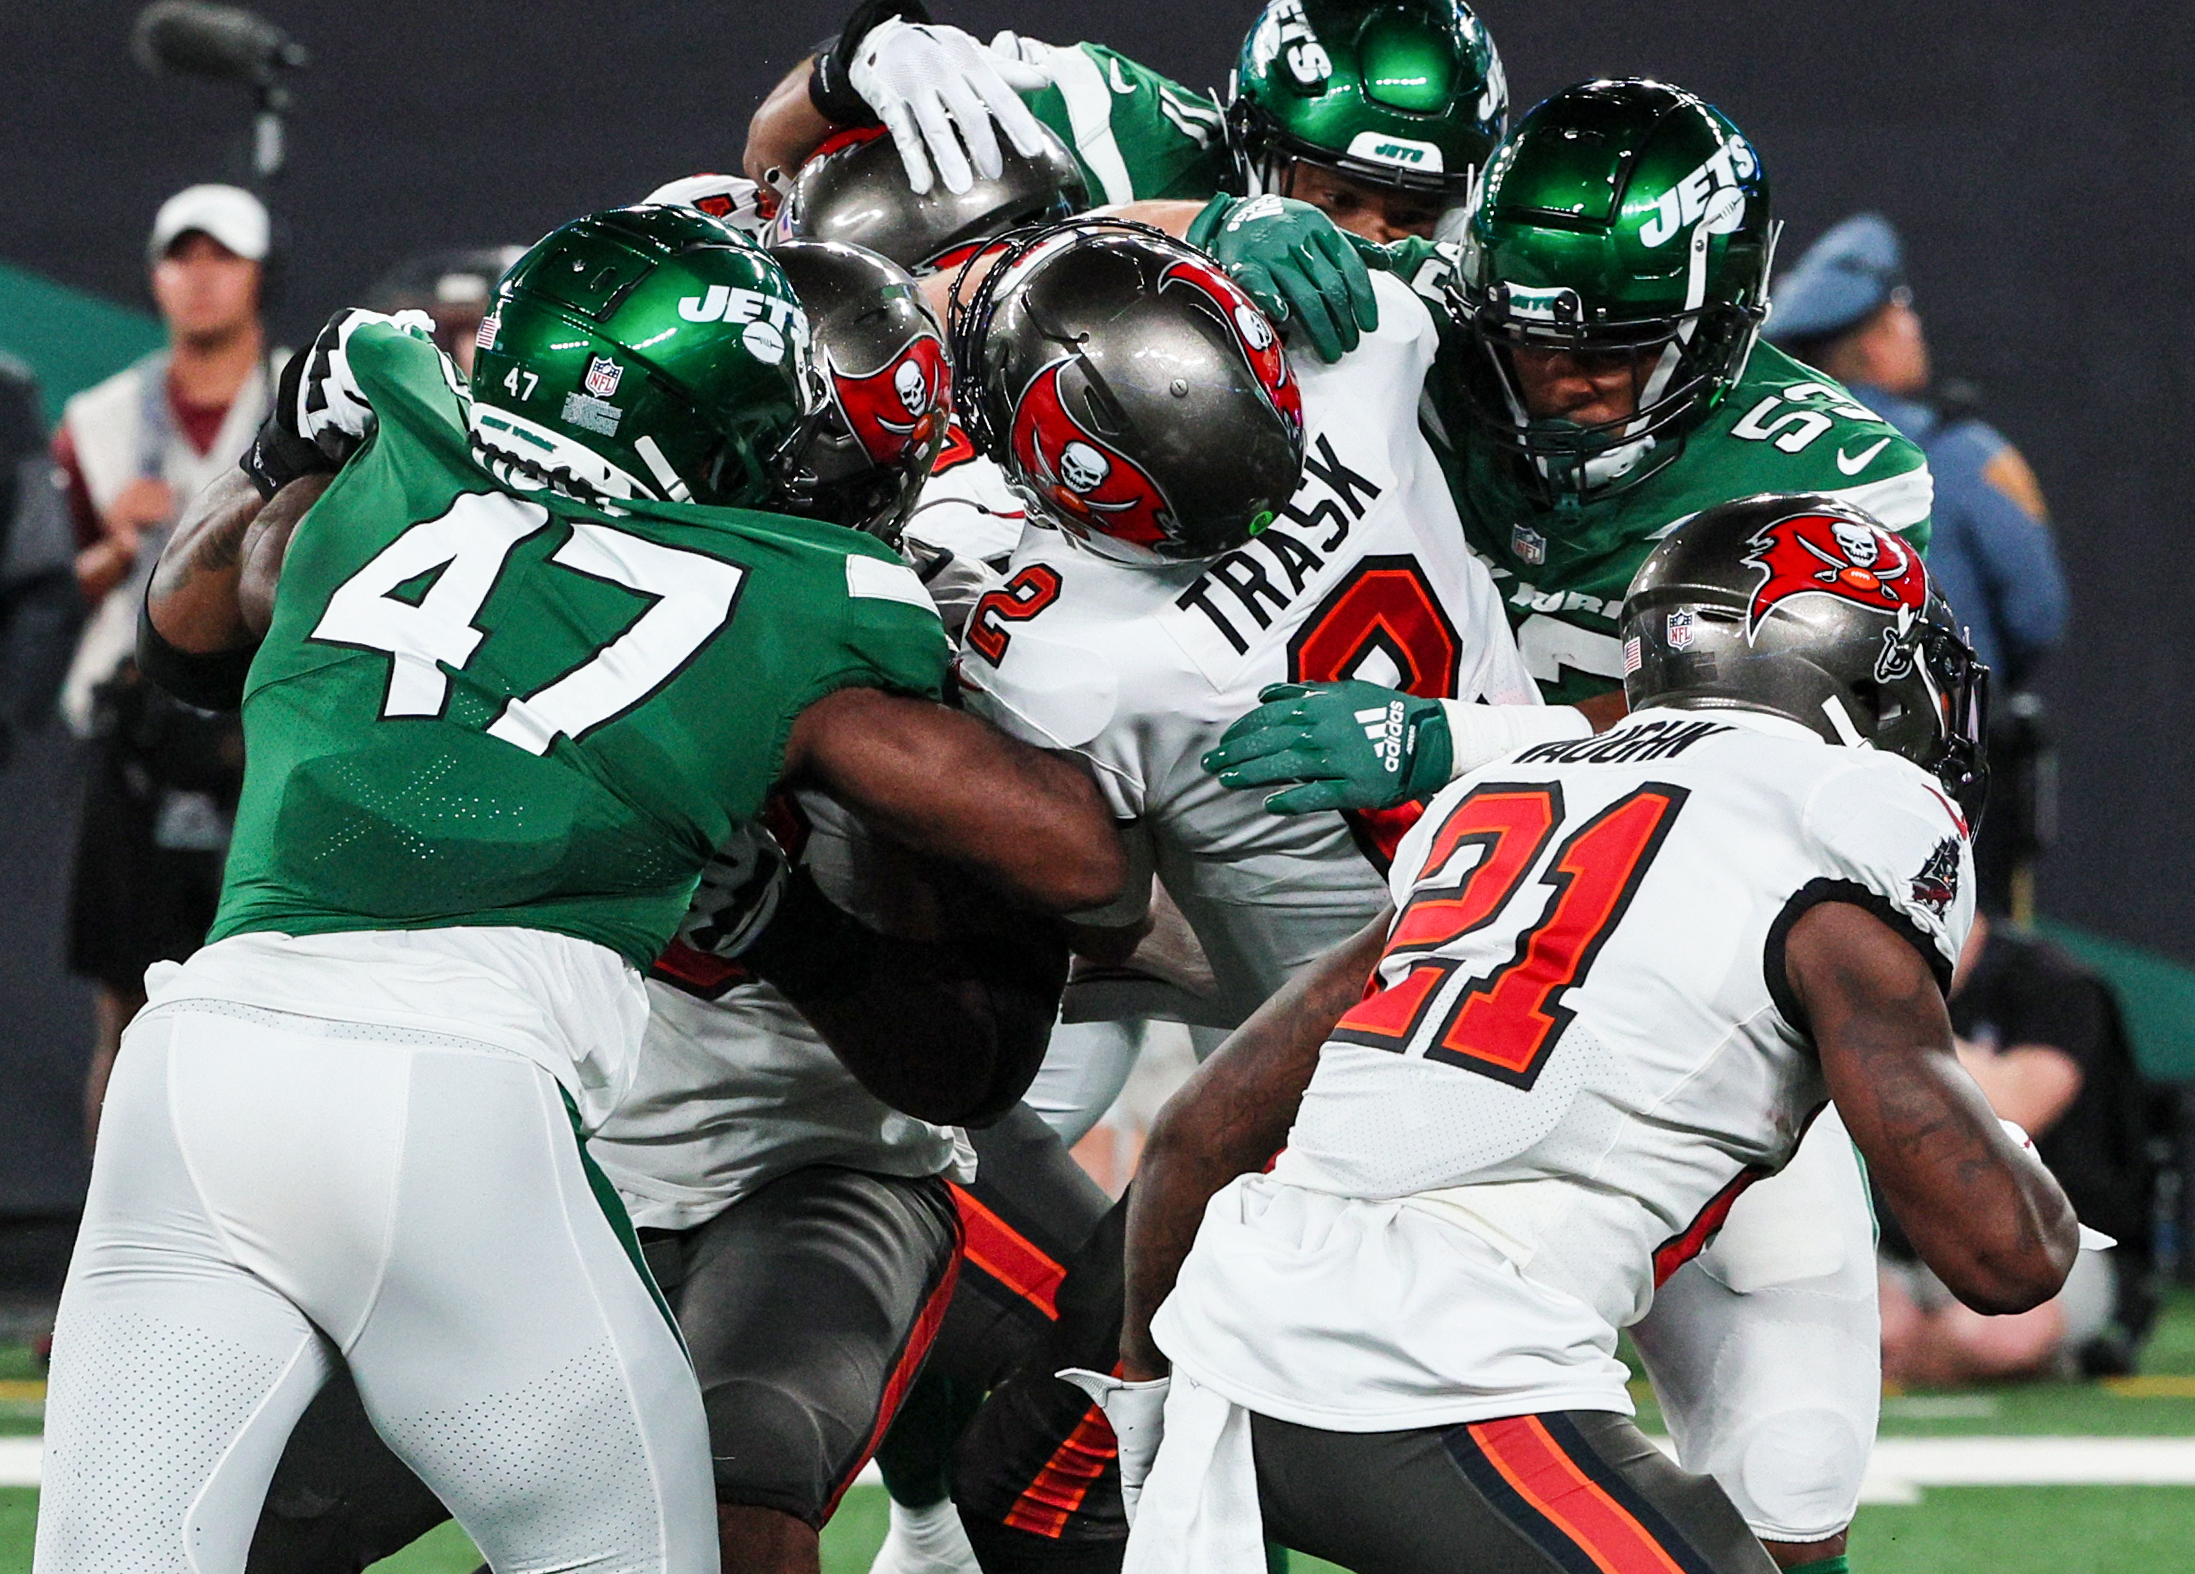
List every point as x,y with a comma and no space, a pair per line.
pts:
224,42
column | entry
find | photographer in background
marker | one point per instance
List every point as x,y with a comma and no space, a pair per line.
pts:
2042,1037
40,610
1846,309
133,450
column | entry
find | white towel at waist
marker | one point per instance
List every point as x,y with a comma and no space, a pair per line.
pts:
1199,1513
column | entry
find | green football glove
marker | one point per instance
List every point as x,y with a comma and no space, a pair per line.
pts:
1292,260
1351,745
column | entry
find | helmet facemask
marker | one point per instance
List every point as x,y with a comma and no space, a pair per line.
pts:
1679,365
1621,219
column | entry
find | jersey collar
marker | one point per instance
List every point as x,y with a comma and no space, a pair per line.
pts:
1751,720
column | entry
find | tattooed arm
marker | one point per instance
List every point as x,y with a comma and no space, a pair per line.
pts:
212,593
1987,1217
1228,1120
214,582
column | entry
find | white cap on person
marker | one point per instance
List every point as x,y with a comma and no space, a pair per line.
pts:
230,214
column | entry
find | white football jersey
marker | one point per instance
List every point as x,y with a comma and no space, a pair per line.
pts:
966,506
732,1092
1581,1051
1139,668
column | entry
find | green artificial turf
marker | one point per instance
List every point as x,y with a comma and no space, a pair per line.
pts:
1962,1530
1966,1530
2030,1530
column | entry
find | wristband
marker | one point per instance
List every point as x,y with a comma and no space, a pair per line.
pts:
210,681
1479,734
829,90
278,455
813,949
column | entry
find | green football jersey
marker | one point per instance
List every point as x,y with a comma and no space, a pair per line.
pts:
1135,133
1783,427
484,706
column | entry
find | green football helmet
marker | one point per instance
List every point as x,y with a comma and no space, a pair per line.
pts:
1624,219
646,352
1404,93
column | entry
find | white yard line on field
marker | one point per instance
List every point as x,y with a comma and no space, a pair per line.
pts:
1902,1466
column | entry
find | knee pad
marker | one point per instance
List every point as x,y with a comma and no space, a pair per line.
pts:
773,1448
1797,1473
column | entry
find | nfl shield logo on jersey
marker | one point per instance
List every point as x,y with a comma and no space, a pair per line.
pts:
1680,629
603,376
1528,544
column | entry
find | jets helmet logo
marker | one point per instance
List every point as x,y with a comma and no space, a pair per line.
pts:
1821,554
894,407
1088,484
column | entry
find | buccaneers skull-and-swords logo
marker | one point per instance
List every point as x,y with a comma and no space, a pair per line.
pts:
1855,561
1821,554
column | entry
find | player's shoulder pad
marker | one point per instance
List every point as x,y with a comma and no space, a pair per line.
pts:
888,619
1126,75
1788,428
375,357
1405,329
1886,828
1424,265
886,579
1403,312
407,337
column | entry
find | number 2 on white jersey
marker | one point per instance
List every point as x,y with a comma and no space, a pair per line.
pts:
470,545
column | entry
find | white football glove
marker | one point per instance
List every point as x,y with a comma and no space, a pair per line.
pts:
1137,1414
925,81
738,894
330,409
1010,45
1480,734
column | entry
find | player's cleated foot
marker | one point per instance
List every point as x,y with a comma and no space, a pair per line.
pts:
925,1540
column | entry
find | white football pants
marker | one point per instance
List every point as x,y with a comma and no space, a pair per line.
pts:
271,1189
1766,1349
1085,1067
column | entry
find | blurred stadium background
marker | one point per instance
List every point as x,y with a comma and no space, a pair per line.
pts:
2036,159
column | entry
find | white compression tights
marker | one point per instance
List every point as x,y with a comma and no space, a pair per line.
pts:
273,1188
1766,1350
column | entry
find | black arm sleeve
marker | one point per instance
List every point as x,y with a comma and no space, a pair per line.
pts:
210,682
833,96
950,1031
